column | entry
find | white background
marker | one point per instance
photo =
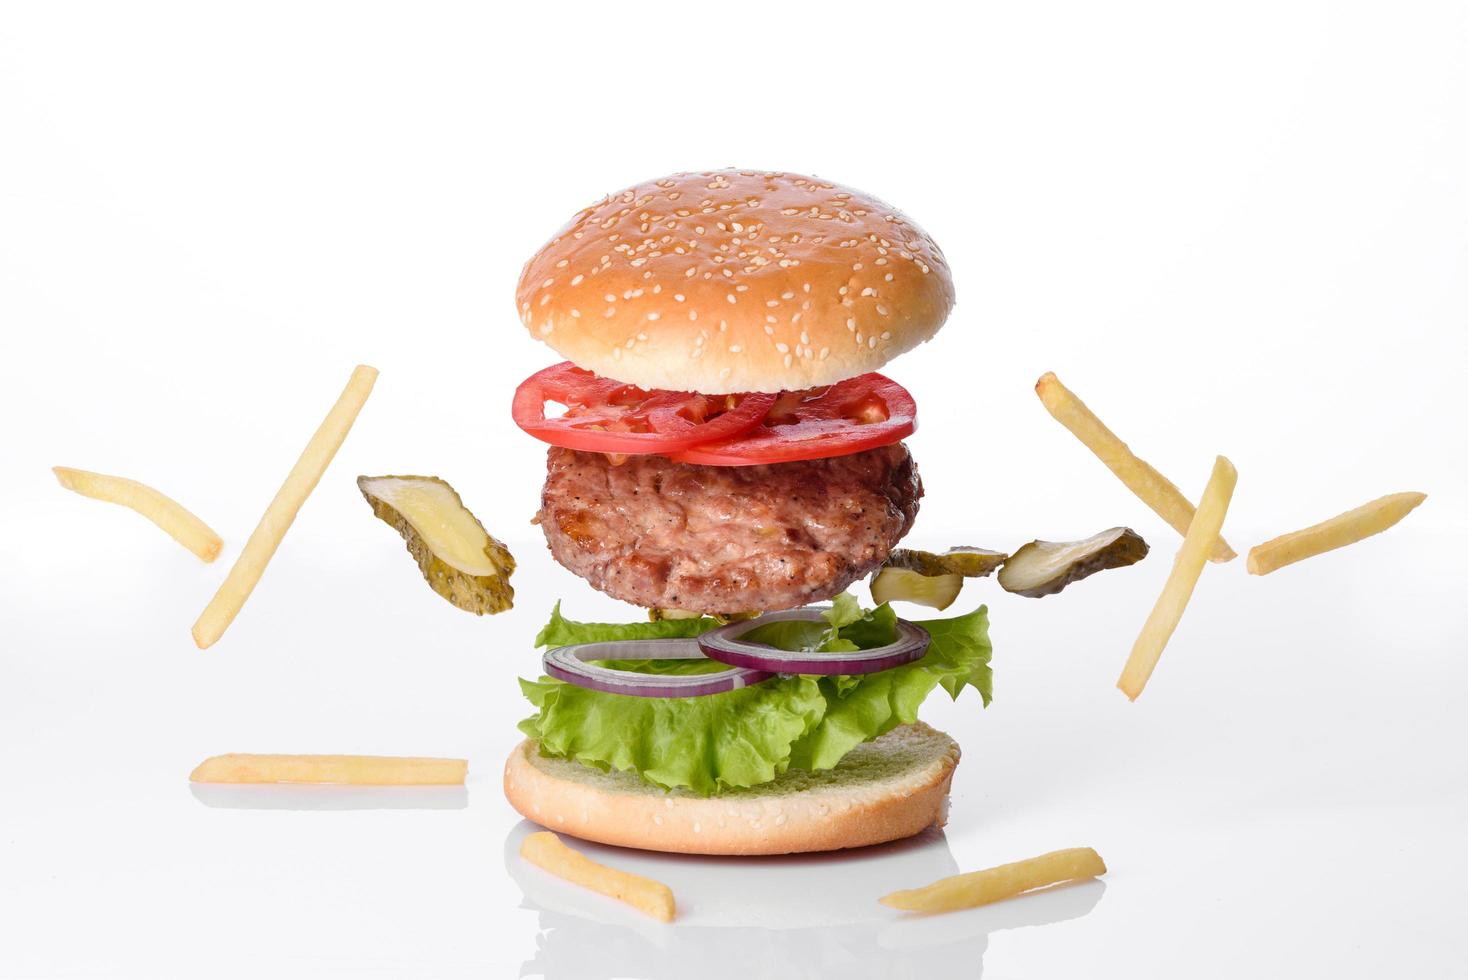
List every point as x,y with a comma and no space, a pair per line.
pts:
1239,231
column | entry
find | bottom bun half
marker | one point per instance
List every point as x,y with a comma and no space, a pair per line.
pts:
889,788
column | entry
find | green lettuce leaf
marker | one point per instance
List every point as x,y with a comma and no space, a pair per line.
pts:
562,632
861,707
749,736
847,627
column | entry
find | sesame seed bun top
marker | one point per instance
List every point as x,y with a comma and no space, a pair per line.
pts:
736,280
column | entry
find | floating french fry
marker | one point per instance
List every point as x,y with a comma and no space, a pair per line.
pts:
1168,612
976,888
545,850
177,521
1150,486
347,770
1339,531
281,513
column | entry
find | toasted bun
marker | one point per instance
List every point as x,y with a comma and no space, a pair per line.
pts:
891,787
736,280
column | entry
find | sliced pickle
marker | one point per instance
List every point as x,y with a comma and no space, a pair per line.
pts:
963,560
654,614
460,559
937,591
1043,568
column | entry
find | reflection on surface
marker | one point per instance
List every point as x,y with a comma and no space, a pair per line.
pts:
799,916
286,796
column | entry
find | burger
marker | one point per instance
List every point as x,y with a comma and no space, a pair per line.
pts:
725,455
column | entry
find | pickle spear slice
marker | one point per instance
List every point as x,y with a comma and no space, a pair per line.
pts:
1043,568
458,557
655,615
963,560
936,591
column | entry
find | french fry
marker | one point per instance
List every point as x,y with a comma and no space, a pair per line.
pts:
975,888
545,850
347,770
1339,531
162,510
281,513
1150,486
1186,567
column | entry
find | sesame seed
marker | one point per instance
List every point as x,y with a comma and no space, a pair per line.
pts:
575,314
653,316
735,348
789,360
546,328
547,284
782,348
872,342
730,297
881,309
577,280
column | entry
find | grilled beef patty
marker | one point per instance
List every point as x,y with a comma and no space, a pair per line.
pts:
723,539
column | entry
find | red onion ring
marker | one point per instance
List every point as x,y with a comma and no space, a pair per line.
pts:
724,645
570,664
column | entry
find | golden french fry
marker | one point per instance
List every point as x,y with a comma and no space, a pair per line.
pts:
352,770
1339,531
545,850
278,517
1150,486
1186,567
996,884
167,513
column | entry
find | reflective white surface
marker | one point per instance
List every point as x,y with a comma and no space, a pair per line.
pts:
1288,795
792,917
1234,229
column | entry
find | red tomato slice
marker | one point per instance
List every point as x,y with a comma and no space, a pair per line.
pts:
859,413
606,416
